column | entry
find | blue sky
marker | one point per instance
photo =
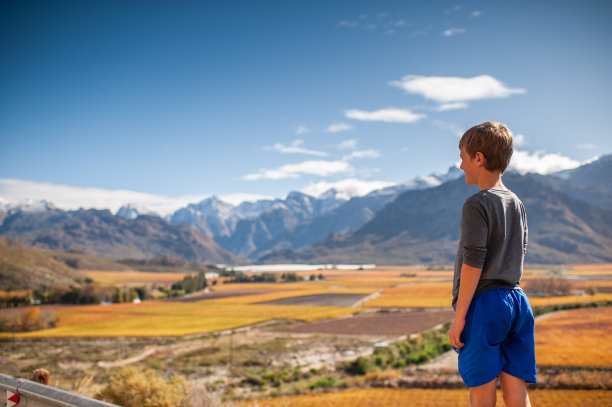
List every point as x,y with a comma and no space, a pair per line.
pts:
189,99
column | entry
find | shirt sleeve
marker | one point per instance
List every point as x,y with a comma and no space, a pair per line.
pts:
473,234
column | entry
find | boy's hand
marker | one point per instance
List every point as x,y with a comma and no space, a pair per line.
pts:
454,332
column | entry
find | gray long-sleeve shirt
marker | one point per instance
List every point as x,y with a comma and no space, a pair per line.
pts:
492,237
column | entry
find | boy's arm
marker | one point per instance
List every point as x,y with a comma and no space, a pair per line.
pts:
469,281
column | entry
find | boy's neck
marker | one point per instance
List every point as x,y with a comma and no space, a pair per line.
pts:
490,180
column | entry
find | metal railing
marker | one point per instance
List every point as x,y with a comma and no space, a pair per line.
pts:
32,394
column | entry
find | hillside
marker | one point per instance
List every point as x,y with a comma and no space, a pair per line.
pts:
101,233
23,267
422,227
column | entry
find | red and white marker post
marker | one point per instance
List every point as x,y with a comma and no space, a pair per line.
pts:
12,399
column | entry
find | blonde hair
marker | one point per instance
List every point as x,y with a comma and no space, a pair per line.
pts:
494,140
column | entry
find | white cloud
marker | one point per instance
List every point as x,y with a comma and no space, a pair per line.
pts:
452,106
390,115
72,198
338,127
362,154
541,163
476,13
294,148
321,168
519,140
453,31
302,130
347,144
346,188
454,89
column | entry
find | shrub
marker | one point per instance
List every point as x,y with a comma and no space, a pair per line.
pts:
359,366
549,287
28,319
417,350
323,382
379,376
132,387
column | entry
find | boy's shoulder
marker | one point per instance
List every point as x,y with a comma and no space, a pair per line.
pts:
492,197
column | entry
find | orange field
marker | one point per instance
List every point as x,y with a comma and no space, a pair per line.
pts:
590,269
430,398
131,278
156,318
570,299
428,295
575,338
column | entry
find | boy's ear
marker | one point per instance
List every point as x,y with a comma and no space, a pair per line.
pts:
479,158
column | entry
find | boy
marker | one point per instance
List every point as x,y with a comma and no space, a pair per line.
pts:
493,327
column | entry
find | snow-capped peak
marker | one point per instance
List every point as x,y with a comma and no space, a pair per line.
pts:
28,205
132,211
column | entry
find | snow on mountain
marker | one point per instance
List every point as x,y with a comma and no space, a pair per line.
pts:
211,216
132,211
330,200
433,180
28,206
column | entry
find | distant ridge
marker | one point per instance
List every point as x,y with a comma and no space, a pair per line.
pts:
100,232
422,227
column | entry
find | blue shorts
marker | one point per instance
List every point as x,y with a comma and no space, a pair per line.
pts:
498,336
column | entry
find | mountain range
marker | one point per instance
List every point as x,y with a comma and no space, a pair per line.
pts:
415,222
422,227
102,233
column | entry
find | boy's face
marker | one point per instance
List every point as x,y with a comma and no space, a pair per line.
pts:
470,167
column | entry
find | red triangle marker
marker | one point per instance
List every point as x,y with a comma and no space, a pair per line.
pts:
11,398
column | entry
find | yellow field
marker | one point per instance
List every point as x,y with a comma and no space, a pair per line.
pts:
428,295
131,278
336,282
430,398
570,299
278,295
169,319
590,269
575,338
419,289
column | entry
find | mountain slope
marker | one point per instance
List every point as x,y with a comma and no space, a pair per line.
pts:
594,174
422,227
591,182
25,268
101,233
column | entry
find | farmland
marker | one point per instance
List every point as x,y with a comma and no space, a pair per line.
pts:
428,398
131,277
246,341
172,318
575,338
